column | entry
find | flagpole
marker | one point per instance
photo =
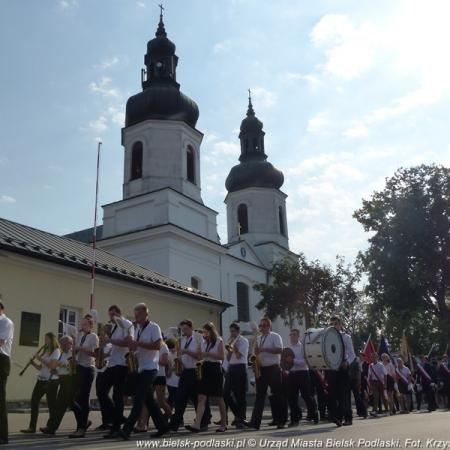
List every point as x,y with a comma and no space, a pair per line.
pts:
94,232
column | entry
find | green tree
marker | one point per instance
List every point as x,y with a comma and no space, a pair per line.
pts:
408,259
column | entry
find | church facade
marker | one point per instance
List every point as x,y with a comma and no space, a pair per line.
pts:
162,222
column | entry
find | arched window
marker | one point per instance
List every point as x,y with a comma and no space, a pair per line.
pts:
195,283
281,221
242,214
190,164
136,161
243,304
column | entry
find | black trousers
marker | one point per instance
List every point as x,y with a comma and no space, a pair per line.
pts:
5,367
64,399
299,382
41,388
172,390
339,400
355,388
235,389
270,377
83,384
144,395
188,390
431,398
322,395
112,409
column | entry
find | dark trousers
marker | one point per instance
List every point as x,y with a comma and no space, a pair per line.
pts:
322,395
41,388
144,395
5,367
112,409
64,399
187,390
299,382
235,389
431,398
355,388
339,400
172,390
83,384
270,376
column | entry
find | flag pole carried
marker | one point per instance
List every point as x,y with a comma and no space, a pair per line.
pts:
94,238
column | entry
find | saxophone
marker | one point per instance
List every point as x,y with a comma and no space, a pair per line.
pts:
132,362
72,365
199,370
177,361
255,363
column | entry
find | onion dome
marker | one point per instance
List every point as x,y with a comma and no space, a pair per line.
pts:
161,98
253,170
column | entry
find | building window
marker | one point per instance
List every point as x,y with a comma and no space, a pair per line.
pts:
30,325
255,144
67,316
190,164
195,283
136,161
281,221
243,304
242,218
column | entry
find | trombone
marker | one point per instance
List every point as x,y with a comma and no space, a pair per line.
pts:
230,346
28,364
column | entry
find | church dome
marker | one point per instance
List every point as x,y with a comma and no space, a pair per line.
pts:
161,98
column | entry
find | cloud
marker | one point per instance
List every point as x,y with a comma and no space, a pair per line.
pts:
107,63
117,115
141,5
318,123
216,147
105,88
223,46
263,97
68,5
99,125
357,130
7,199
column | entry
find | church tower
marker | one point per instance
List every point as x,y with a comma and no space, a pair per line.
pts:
161,179
256,207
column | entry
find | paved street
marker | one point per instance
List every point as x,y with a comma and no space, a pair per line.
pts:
416,430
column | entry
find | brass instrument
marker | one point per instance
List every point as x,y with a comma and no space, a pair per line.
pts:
199,370
177,361
254,361
72,365
100,356
132,362
28,364
230,346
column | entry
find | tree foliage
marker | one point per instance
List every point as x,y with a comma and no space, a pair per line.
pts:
408,259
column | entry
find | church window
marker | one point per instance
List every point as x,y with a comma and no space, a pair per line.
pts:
195,283
243,304
281,221
190,165
255,144
136,161
242,214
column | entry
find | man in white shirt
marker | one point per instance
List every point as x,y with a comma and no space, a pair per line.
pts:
6,338
235,387
146,344
187,385
377,382
299,381
339,381
268,349
114,377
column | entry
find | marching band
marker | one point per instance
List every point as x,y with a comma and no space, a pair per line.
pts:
133,358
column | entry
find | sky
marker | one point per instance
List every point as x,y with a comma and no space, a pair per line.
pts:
348,92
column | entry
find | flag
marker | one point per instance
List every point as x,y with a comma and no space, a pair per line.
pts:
404,348
383,347
368,351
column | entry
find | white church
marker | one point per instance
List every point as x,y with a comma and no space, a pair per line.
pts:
162,222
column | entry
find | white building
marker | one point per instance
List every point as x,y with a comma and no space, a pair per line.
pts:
162,222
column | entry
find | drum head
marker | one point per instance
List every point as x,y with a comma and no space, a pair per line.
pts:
333,348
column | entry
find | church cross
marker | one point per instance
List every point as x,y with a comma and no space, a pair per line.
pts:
161,7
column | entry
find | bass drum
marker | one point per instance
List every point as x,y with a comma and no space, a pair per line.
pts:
324,348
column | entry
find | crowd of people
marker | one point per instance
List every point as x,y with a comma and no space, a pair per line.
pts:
161,374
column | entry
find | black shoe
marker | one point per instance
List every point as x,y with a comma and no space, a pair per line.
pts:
337,422
192,429
204,428
112,435
272,424
280,426
159,433
347,423
3,441
124,435
293,424
251,425
239,425
173,427
28,431
103,427
80,433
45,430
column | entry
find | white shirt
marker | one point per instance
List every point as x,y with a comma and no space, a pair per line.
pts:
6,334
299,357
117,355
164,350
209,347
90,342
241,345
405,372
270,340
63,359
377,372
192,344
349,351
45,374
173,379
147,359
390,369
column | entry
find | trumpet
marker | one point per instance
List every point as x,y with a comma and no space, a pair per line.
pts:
177,361
199,370
28,364
230,346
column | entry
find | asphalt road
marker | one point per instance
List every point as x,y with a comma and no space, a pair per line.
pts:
416,430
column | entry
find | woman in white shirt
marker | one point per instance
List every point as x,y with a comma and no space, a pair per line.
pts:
212,353
391,387
47,379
